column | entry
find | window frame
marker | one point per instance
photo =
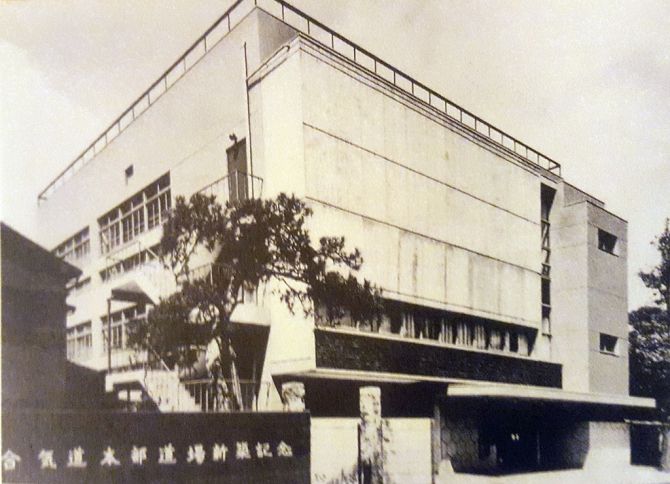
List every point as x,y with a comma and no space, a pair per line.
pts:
75,247
608,242
604,339
79,341
144,211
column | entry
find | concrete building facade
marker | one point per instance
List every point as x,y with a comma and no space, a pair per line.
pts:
505,286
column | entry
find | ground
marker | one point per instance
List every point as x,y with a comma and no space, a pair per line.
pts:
627,475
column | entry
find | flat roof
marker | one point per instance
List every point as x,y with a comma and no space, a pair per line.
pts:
325,36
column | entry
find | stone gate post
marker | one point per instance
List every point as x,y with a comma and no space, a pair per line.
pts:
370,440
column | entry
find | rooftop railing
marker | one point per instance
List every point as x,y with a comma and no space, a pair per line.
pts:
325,36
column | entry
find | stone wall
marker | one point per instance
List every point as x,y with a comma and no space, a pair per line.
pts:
383,354
460,446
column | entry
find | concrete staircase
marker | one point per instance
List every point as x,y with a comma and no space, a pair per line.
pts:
162,387
167,392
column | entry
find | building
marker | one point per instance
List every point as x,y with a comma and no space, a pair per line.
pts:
506,285
35,371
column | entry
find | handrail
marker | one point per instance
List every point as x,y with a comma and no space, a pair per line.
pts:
362,57
160,360
238,180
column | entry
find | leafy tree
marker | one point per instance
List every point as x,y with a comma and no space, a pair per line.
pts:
253,242
650,340
658,279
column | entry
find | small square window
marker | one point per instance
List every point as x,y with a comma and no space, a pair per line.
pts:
130,171
608,242
609,344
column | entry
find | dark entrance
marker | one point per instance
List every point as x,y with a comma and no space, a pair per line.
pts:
518,449
515,436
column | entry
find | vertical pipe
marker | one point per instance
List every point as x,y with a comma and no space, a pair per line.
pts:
246,91
109,335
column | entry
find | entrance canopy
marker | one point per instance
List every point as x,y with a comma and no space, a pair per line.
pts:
539,394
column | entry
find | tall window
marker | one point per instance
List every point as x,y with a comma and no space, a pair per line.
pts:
122,321
547,200
237,171
74,247
143,211
79,341
415,322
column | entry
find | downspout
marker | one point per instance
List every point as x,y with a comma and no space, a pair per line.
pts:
246,92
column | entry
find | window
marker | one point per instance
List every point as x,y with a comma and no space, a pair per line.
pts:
129,264
79,341
457,329
547,195
77,287
514,342
609,344
129,173
237,171
143,211
74,247
122,321
608,242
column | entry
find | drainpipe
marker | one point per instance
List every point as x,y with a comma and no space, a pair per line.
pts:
246,90
109,335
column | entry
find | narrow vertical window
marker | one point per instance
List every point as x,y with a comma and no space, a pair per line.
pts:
237,171
546,201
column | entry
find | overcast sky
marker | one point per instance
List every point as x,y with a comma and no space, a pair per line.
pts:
587,83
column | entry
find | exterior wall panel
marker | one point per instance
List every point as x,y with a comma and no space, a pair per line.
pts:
435,195
346,351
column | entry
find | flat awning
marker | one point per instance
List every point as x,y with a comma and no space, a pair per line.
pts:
529,393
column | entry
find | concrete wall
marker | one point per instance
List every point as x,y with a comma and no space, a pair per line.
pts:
589,294
609,447
439,218
334,450
569,292
406,450
608,303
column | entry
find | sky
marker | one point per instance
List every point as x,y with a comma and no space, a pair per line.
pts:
586,83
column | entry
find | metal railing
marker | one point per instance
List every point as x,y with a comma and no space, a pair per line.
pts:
326,36
147,360
212,272
235,186
202,391
172,74
323,35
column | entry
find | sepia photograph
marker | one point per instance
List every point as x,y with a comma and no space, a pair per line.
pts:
335,241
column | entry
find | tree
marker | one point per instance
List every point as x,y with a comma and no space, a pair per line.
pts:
650,340
658,279
252,242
